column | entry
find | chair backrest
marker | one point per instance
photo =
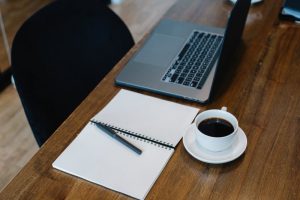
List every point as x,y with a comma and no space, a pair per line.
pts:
60,54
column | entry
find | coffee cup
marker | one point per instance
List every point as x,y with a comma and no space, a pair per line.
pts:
215,129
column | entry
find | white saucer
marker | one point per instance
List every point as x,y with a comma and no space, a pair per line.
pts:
205,155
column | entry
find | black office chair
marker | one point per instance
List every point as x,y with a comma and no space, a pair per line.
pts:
60,54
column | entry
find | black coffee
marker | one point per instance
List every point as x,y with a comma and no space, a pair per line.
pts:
216,127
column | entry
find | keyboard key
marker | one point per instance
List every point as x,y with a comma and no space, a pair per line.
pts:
174,77
186,83
183,74
178,71
199,86
180,67
190,75
193,83
198,75
190,63
198,64
180,80
196,78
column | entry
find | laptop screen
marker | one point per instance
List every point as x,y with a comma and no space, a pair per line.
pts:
232,37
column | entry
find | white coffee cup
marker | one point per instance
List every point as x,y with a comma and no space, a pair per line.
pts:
214,143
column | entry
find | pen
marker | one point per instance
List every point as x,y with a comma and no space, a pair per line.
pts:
114,135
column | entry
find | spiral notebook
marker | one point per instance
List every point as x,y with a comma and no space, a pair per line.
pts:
153,125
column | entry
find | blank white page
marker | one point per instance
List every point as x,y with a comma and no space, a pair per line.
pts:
159,119
98,158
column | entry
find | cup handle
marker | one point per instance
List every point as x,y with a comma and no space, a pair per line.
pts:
224,108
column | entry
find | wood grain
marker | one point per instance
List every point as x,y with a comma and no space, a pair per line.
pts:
17,144
14,14
262,91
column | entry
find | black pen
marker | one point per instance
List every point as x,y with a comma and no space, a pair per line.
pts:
114,135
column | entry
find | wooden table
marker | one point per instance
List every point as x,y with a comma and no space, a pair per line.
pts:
263,92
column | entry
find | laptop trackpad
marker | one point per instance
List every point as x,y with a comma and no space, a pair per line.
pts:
159,50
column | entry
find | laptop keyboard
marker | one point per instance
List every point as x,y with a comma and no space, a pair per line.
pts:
193,64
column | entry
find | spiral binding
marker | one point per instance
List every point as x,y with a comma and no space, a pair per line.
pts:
138,136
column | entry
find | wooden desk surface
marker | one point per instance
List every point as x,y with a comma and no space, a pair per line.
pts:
263,93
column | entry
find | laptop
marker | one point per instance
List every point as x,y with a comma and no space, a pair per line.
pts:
182,59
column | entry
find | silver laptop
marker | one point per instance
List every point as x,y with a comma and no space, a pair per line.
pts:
183,59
